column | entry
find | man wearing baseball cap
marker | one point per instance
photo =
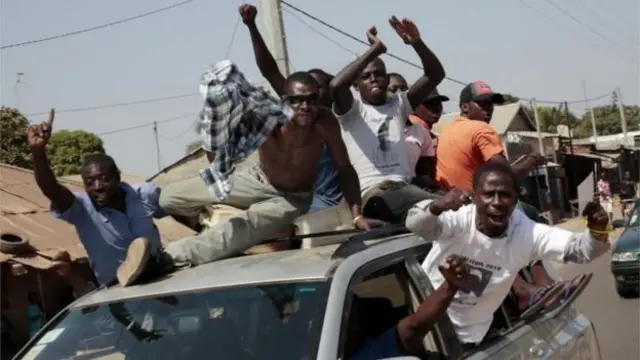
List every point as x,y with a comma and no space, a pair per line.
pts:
470,142
426,115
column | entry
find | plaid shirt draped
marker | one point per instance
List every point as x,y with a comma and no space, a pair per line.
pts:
236,120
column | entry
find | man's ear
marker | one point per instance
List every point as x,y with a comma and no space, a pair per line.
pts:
464,108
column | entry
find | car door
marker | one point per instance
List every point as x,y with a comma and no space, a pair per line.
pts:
568,335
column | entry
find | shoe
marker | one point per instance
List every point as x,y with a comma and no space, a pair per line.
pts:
140,265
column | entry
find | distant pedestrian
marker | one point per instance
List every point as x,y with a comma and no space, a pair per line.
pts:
604,194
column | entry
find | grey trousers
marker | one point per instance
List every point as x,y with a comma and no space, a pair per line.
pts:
391,200
267,210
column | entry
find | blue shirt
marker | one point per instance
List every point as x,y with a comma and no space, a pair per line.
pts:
34,316
384,346
106,233
326,191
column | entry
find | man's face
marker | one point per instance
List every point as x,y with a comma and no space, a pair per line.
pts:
479,110
303,99
100,183
495,200
430,111
324,98
396,84
373,83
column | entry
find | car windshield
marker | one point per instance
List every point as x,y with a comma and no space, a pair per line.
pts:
259,322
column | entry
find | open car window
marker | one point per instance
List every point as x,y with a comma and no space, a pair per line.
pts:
236,323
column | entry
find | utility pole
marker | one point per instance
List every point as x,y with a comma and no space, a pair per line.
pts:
623,121
593,116
15,88
567,118
274,26
155,135
534,106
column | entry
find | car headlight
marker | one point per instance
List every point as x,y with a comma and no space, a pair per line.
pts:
625,256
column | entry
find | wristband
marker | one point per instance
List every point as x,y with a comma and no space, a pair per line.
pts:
355,219
609,229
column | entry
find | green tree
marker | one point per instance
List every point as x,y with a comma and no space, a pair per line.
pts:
13,130
510,99
192,146
608,120
550,117
68,149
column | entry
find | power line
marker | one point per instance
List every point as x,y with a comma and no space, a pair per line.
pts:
460,82
179,135
569,15
338,44
81,31
233,37
146,124
99,107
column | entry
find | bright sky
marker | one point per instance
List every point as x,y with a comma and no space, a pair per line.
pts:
525,47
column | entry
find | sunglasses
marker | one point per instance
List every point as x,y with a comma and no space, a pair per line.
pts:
310,99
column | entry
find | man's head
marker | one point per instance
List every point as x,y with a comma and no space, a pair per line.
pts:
373,83
495,193
627,175
101,178
431,108
302,94
323,79
477,101
396,83
603,175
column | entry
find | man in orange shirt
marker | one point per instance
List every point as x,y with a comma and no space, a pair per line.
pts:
469,142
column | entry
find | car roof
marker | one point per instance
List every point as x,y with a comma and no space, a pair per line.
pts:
315,264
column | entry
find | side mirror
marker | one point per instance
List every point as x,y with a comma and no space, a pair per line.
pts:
618,223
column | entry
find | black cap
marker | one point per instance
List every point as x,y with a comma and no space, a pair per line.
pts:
435,96
480,91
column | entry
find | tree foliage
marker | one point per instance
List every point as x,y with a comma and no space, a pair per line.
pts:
550,117
13,130
510,99
68,149
192,146
608,120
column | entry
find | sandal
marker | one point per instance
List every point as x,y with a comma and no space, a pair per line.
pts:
571,290
538,299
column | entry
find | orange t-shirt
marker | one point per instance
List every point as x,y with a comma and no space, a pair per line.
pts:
463,147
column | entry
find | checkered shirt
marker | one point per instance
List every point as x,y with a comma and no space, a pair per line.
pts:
236,120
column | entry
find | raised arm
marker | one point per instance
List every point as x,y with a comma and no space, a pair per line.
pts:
556,244
37,137
265,61
433,70
413,328
349,182
431,219
340,86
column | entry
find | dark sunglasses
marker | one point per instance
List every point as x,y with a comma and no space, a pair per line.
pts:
310,99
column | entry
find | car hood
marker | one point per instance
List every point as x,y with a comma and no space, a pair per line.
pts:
629,240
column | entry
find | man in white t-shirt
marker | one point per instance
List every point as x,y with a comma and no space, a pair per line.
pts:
373,123
496,242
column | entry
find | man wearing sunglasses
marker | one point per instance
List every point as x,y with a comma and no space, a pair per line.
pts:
327,190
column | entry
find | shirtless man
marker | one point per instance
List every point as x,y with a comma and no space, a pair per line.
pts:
373,123
327,187
273,193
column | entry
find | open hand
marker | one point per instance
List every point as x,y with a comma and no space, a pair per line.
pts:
38,135
368,224
455,272
406,29
374,40
453,200
248,13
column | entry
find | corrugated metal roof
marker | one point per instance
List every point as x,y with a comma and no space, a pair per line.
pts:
501,119
24,211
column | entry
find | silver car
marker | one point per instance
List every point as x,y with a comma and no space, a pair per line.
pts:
317,303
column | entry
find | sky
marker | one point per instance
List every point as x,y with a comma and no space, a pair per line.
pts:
528,48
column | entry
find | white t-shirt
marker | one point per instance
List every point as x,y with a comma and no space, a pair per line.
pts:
374,137
494,261
418,142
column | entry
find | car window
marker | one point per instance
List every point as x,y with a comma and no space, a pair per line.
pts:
377,303
256,322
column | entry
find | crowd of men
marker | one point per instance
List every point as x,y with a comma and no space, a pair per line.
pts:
363,137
